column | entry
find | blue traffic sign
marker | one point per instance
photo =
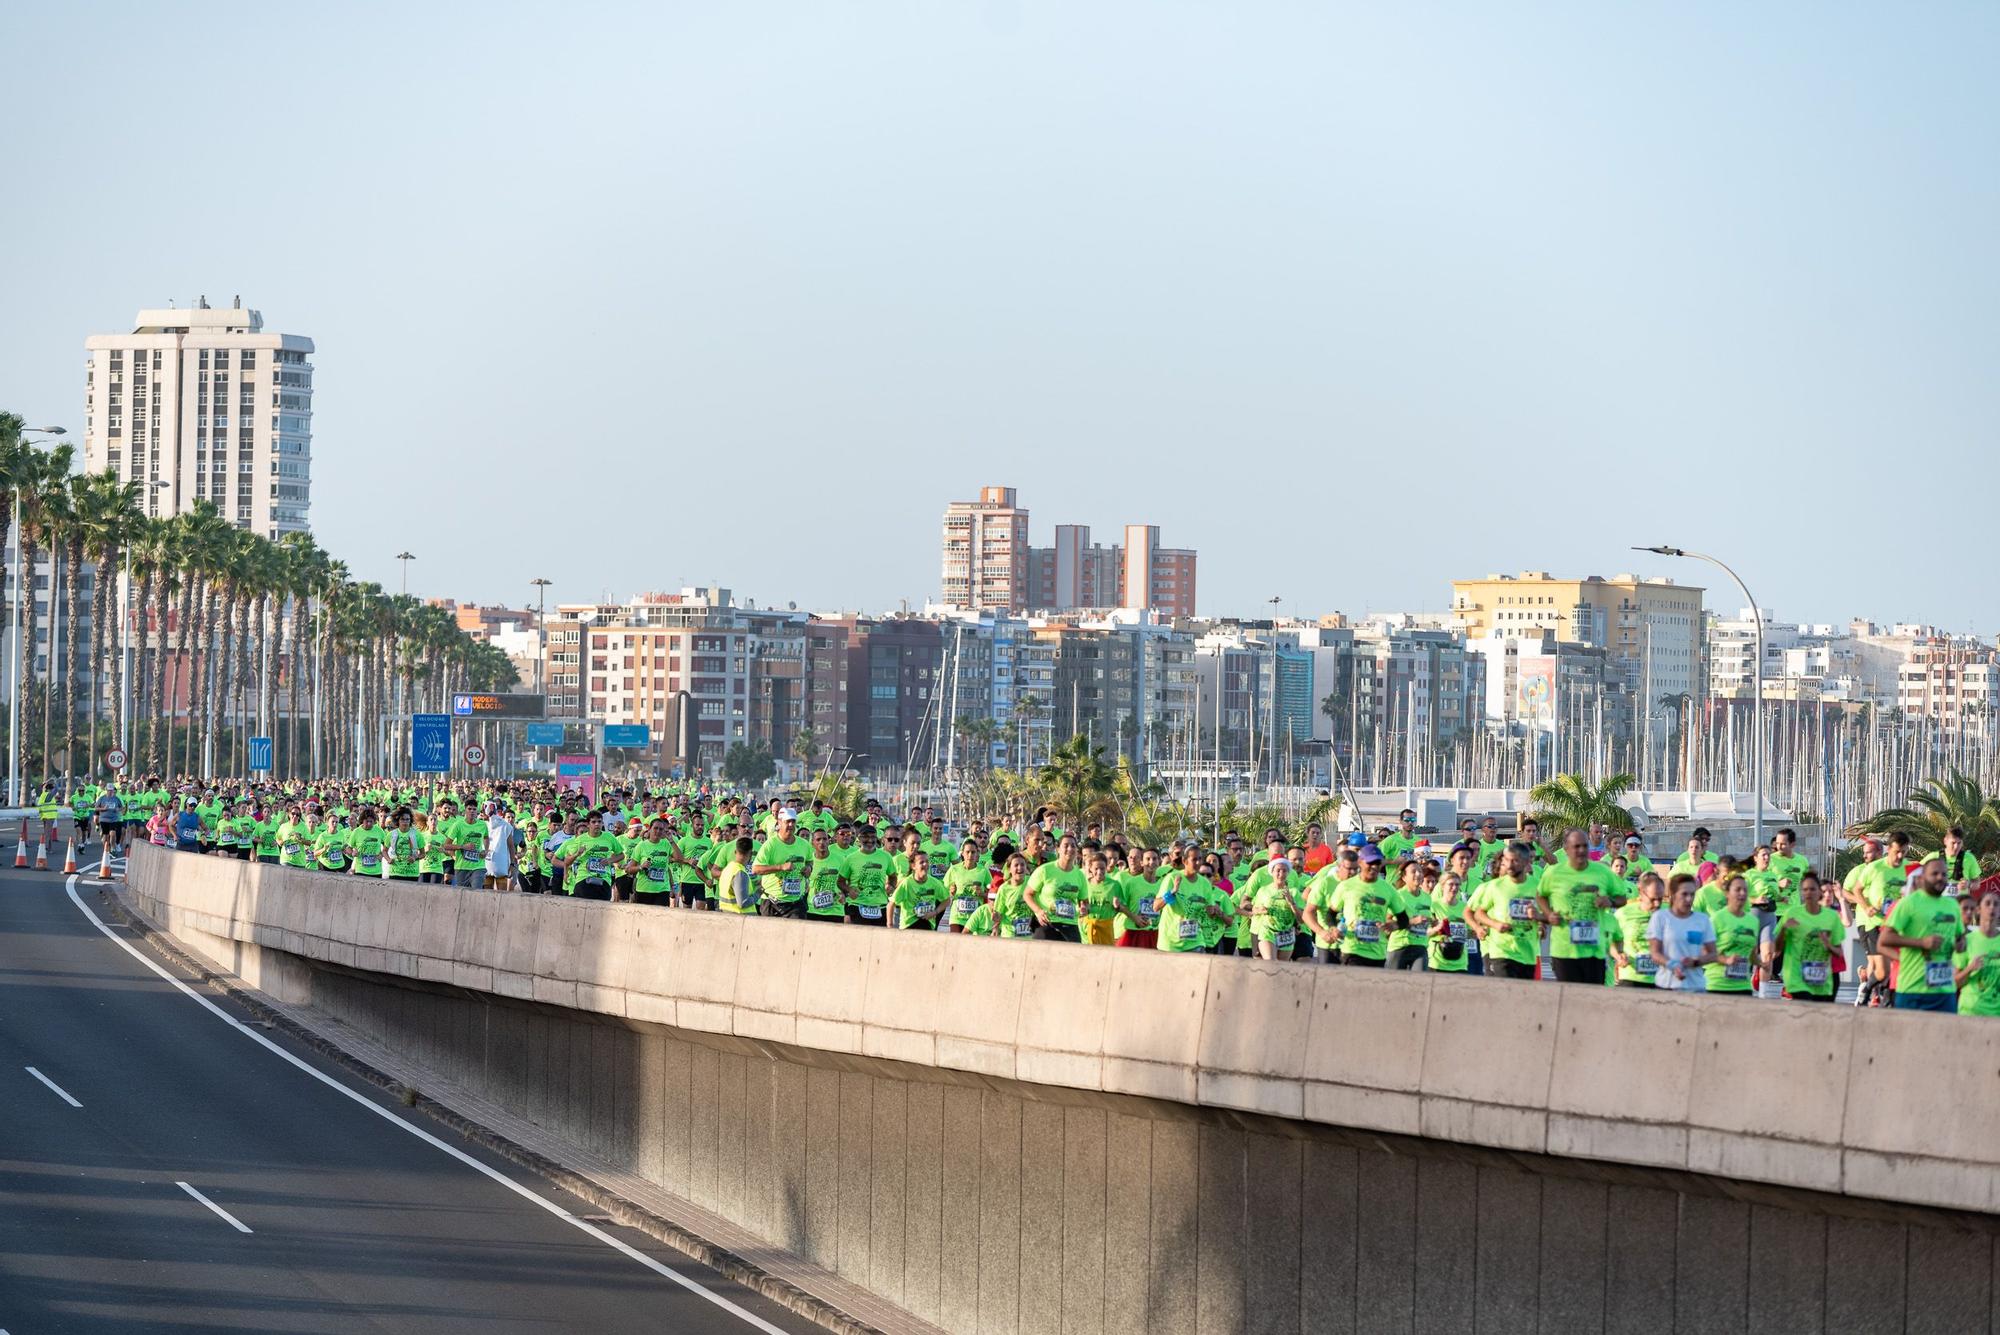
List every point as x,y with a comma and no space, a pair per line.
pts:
627,735
260,753
430,743
545,734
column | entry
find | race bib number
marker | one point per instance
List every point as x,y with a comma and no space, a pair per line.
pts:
1738,970
1283,940
1455,930
1937,973
1813,972
870,910
1645,965
370,860
656,874
964,905
1583,932
1368,930
1520,909
1188,931
595,865
1420,926
1065,908
791,886
1022,926
822,899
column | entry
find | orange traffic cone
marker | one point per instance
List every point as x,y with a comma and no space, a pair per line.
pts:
69,859
42,853
21,851
104,863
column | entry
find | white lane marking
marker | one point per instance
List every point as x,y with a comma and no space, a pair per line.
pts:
617,1244
60,1093
234,1222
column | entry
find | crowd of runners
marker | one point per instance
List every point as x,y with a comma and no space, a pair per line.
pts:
1917,928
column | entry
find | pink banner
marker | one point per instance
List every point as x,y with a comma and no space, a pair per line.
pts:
578,774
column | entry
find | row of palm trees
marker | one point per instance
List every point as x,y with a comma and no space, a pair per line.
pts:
236,635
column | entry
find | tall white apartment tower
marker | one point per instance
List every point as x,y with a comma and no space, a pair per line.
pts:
208,402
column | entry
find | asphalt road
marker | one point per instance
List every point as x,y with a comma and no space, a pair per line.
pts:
304,1207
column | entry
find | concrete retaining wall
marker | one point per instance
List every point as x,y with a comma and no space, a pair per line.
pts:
1043,1137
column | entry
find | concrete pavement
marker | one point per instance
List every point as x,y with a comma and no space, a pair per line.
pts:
163,1170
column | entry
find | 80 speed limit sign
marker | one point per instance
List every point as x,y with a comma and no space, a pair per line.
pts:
475,755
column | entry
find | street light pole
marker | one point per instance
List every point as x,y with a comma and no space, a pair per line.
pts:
406,558
1756,680
541,587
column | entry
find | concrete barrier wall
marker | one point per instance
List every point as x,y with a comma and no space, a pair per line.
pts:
1059,1139
1874,1104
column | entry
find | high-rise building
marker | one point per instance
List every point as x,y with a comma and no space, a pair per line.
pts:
1074,573
1155,578
210,403
986,553
989,566
1651,627
631,663
1078,575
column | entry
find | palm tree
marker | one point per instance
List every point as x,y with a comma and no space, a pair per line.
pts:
192,553
1028,710
54,523
978,734
1938,805
303,569
1150,824
152,553
843,797
43,490
805,745
108,517
1080,783
1572,802
20,468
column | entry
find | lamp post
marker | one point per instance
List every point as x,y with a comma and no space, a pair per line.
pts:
541,587
14,644
1756,681
406,558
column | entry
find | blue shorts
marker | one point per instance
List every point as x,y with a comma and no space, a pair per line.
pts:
1927,1001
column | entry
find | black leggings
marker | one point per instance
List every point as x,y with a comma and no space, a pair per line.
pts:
1511,969
1579,971
1059,931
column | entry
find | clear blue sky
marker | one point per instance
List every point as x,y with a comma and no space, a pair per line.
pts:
1353,298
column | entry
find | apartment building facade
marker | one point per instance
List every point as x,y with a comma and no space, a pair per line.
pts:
211,404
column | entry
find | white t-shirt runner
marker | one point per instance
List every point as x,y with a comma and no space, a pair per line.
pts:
499,846
1680,939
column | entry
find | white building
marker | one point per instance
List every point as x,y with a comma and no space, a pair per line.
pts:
209,403
1732,650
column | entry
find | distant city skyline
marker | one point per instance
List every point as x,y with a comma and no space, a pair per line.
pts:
1354,301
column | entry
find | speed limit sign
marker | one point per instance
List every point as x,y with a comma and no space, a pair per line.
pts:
475,755
115,758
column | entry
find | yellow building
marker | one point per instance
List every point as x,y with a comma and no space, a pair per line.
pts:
1617,613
